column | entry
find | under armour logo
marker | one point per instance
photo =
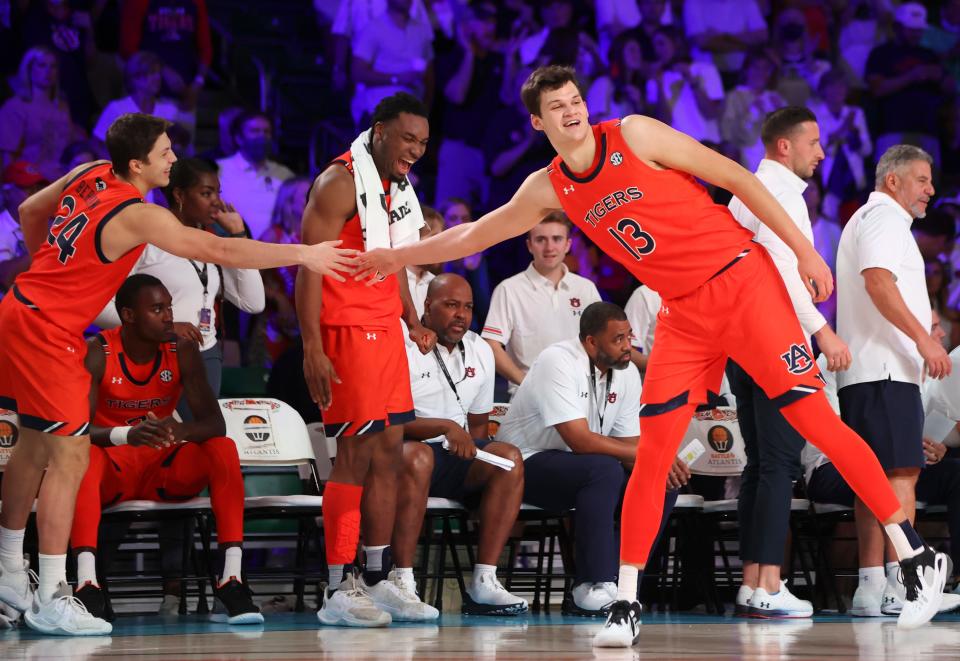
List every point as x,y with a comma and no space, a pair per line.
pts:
116,380
665,310
798,359
424,375
584,395
371,336
765,604
567,190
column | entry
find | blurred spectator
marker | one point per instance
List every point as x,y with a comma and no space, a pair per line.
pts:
748,105
620,92
78,153
35,123
846,143
800,69
614,17
860,34
470,78
349,23
69,34
420,276
249,178
178,32
724,30
554,15
938,280
20,181
909,85
950,164
393,53
143,80
687,95
944,39
826,238
935,233
539,306
285,223
474,268
226,145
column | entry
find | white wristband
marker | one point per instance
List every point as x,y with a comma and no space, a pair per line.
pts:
118,435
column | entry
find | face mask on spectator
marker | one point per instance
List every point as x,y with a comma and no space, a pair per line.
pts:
256,150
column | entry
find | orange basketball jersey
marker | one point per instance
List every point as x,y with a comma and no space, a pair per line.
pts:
353,303
660,224
70,279
129,391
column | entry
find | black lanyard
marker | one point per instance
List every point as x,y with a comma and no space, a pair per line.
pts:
202,274
593,392
446,374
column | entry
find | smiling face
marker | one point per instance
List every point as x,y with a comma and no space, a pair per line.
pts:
563,115
399,143
548,243
155,170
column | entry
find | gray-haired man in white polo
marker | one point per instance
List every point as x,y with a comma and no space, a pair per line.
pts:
884,313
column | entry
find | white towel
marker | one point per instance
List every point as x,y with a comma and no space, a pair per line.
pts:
383,228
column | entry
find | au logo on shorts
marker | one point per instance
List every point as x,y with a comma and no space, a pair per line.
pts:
257,428
798,359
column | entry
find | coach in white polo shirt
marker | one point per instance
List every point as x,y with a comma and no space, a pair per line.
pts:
532,310
452,391
883,311
576,419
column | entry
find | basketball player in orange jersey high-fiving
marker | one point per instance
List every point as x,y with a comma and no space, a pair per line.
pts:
630,186
101,227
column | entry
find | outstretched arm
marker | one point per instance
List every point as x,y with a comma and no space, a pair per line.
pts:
530,203
656,142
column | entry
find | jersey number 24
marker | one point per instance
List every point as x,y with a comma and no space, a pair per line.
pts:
66,229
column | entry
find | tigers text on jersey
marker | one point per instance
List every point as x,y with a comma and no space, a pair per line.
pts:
660,224
70,279
128,391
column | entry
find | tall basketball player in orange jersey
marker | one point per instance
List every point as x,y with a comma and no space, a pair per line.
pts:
629,185
100,229
139,451
355,366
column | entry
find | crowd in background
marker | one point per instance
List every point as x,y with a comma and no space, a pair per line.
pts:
875,72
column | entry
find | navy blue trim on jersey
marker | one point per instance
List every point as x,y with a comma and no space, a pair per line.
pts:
103,223
40,424
17,294
650,410
173,455
401,418
170,498
80,174
795,394
596,171
153,371
8,403
734,261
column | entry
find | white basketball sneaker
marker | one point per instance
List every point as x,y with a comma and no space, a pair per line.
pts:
15,588
783,604
487,596
867,601
741,605
622,628
924,578
351,606
64,615
589,599
395,596
895,592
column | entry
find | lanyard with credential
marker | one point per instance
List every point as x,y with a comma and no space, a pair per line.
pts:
205,313
446,375
593,392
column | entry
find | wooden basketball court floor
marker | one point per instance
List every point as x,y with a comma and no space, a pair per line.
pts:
298,636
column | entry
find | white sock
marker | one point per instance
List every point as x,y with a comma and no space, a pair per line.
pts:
480,570
11,548
53,572
872,577
627,583
336,576
86,568
405,574
374,557
231,564
891,571
906,546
